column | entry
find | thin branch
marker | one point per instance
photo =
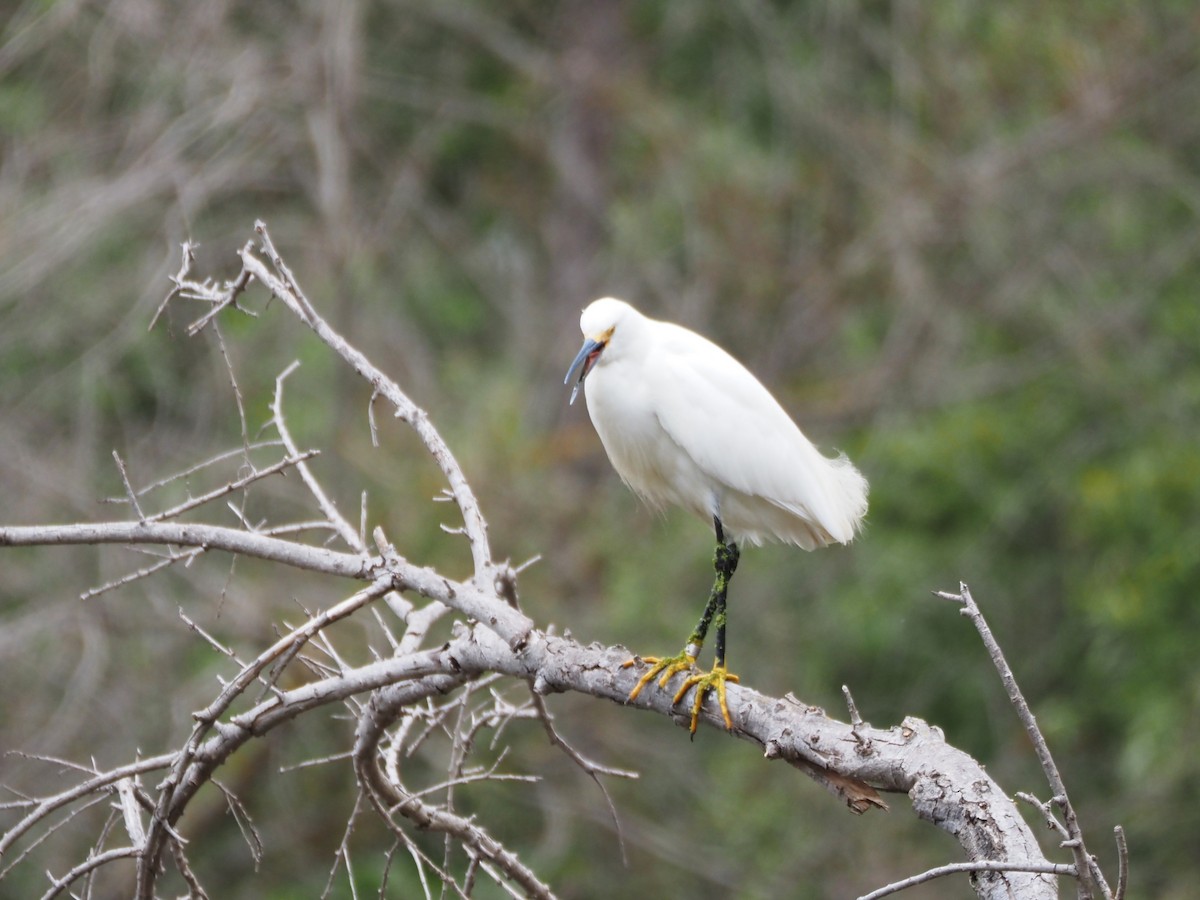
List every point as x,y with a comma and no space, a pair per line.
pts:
1047,811
220,299
188,256
1122,863
197,892
312,763
139,574
386,795
208,638
60,884
129,492
287,462
285,288
110,824
327,506
592,769
343,850
285,648
1043,868
50,831
1090,877
469,777
237,391
245,824
102,780
199,467
233,540
189,556
306,309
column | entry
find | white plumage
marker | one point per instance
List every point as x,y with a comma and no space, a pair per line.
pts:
684,423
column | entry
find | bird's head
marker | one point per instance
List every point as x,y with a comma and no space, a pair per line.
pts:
599,322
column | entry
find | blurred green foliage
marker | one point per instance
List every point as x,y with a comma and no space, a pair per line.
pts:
958,239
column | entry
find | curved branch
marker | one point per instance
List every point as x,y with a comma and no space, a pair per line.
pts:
387,795
195,767
58,885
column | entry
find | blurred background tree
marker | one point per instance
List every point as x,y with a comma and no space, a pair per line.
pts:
958,239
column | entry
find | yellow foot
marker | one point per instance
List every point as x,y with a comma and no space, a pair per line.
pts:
668,666
703,684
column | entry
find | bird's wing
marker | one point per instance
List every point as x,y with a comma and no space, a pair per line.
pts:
739,435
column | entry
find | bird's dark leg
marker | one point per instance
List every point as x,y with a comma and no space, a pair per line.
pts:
725,562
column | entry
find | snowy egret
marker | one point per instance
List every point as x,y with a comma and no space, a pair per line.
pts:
684,423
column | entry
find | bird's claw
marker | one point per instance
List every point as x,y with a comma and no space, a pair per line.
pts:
703,684
667,666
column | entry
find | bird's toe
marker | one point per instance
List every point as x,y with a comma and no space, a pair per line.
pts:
704,683
663,668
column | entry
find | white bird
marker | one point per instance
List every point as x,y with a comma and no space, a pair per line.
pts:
685,423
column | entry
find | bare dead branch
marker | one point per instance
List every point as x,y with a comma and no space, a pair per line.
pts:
61,883
1047,811
188,257
293,459
343,528
970,868
592,769
387,794
130,812
139,574
245,824
1122,863
87,788
1091,879
197,892
790,730
198,467
237,391
212,537
284,288
226,296
129,492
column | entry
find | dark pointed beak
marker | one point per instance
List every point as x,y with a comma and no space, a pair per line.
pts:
584,360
